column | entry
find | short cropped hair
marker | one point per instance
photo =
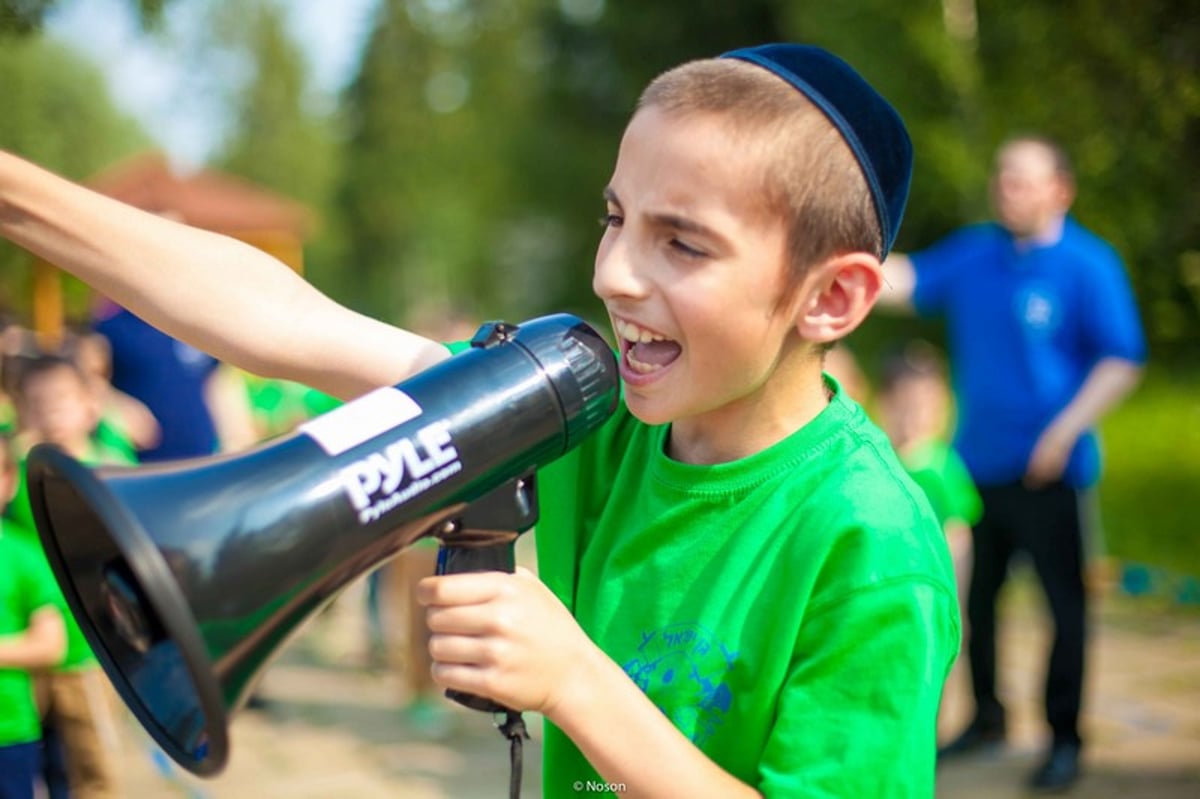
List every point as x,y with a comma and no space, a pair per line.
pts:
914,360
30,369
809,173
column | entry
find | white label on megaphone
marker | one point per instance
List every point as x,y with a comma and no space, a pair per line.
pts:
360,420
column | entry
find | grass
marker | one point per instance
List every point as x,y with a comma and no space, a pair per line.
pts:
1150,492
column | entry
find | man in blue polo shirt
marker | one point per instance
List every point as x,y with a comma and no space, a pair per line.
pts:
1044,338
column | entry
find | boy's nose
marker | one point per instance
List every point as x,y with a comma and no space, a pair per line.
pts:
616,272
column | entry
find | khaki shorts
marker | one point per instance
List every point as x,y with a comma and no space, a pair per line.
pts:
80,705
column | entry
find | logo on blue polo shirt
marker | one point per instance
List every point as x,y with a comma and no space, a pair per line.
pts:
1038,308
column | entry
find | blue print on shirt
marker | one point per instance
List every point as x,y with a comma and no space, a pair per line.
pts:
682,669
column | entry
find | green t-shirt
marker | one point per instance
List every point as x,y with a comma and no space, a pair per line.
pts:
112,438
941,474
793,613
26,586
19,512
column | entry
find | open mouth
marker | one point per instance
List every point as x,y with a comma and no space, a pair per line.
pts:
645,351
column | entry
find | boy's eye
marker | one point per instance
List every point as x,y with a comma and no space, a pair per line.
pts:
611,220
686,249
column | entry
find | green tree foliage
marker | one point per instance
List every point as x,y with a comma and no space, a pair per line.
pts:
276,139
431,193
386,162
57,112
21,17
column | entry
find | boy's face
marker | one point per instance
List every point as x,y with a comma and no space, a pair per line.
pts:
914,410
57,407
692,270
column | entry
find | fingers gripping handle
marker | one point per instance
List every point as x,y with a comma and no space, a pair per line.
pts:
484,539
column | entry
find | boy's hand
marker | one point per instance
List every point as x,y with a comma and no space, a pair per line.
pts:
502,636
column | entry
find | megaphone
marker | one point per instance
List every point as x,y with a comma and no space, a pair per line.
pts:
187,577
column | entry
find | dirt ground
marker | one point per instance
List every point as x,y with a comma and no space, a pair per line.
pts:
1141,713
332,728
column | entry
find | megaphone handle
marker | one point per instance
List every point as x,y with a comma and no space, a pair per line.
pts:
498,557
456,560
484,539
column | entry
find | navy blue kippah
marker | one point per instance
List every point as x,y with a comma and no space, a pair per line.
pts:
872,128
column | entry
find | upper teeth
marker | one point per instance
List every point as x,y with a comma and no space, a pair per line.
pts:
632,333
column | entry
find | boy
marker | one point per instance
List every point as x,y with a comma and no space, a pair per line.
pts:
914,406
125,424
744,594
31,637
55,405
914,410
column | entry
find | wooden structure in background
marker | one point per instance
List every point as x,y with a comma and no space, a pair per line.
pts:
205,199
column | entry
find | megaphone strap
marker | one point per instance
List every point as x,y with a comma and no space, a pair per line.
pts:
514,730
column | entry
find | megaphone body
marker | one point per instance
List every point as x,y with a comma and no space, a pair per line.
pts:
186,578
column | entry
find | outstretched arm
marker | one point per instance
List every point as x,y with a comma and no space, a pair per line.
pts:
216,293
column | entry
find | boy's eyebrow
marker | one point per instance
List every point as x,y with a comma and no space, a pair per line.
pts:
667,220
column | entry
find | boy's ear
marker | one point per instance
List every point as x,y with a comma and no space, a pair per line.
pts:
836,295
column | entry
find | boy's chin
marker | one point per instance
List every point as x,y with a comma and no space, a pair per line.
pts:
647,411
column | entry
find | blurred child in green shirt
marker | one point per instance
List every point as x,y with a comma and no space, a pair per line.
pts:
31,637
55,406
914,411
